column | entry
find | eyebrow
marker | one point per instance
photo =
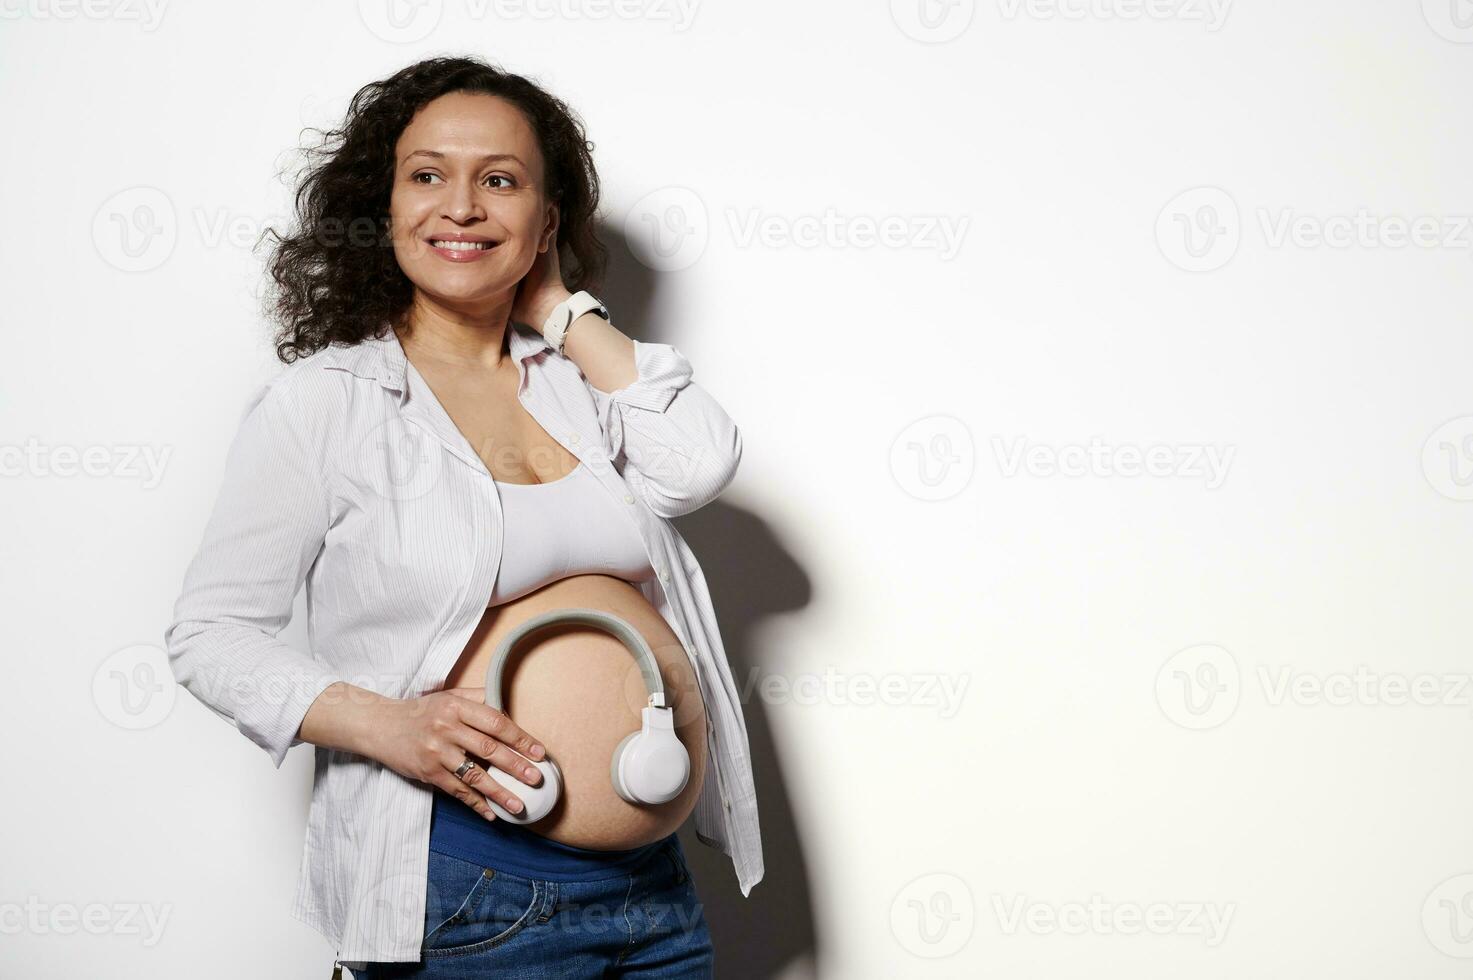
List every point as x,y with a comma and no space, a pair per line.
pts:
436,154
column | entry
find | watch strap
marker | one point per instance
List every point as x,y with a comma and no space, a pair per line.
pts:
555,329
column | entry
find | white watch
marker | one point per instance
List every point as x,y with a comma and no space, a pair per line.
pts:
555,329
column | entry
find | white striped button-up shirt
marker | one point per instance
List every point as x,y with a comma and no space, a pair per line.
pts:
347,473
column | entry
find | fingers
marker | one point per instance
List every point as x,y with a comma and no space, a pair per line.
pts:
484,718
475,786
467,727
485,750
446,780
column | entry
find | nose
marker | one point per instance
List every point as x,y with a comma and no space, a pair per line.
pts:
462,205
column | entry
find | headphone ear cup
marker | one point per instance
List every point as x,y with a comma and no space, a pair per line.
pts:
614,776
537,801
649,767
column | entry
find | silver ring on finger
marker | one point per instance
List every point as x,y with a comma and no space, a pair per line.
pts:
465,767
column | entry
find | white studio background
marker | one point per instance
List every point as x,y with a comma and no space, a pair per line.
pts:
1097,572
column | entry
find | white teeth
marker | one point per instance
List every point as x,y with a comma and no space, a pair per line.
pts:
461,246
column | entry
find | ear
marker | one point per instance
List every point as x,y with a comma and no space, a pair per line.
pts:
549,231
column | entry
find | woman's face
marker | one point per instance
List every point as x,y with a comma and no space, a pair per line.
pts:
467,169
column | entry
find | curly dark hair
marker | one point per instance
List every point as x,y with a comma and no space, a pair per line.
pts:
335,274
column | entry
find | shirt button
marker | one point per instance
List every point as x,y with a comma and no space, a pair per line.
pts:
574,438
629,498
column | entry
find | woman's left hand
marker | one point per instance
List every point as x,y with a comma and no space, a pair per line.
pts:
541,289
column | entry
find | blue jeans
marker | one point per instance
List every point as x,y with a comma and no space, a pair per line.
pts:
484,922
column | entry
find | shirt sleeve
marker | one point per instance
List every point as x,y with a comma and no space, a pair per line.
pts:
680,446
265,531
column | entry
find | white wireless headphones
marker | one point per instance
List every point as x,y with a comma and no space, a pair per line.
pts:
649,766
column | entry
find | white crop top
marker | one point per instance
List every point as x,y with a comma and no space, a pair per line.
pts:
570,526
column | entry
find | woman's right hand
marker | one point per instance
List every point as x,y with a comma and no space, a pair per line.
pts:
427,738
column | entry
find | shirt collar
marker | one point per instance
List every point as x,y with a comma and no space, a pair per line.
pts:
382,357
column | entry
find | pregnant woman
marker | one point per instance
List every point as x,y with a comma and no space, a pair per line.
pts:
462,440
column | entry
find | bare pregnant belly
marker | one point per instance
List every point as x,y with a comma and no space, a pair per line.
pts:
579,691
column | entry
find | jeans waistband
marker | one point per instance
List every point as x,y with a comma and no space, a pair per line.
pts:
459,831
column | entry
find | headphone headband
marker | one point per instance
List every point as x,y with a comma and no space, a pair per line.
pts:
621,630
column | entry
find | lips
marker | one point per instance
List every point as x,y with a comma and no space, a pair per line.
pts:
460,246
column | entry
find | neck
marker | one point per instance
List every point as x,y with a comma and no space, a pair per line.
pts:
463,337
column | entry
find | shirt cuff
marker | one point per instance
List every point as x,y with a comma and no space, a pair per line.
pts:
662,371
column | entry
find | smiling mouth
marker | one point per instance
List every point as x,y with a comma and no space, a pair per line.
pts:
462,246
